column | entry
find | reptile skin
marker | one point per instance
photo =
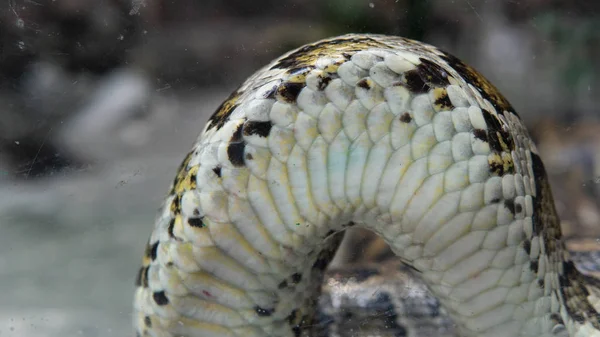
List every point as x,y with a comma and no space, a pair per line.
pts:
371,131
386,298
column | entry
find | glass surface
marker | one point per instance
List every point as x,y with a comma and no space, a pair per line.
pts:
101,100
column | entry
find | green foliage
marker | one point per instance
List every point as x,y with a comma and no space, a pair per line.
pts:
402,17
575,40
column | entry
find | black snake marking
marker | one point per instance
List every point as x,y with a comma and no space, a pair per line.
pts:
378,132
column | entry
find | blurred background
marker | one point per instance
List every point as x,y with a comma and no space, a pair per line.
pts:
101,99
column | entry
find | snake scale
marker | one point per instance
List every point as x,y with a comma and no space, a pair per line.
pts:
371,131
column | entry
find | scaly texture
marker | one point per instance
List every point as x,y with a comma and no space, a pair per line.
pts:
385,298
360,130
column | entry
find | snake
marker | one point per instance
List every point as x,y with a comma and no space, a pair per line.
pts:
365,131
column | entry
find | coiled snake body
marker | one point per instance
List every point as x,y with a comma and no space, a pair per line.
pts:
374,131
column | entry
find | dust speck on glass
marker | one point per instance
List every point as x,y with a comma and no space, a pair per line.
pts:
102,102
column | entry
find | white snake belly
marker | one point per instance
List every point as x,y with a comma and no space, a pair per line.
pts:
374,131
386,298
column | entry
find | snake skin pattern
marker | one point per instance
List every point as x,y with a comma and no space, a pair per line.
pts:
386,298
383,299
370,131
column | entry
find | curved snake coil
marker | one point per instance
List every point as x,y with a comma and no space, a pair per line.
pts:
374,131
